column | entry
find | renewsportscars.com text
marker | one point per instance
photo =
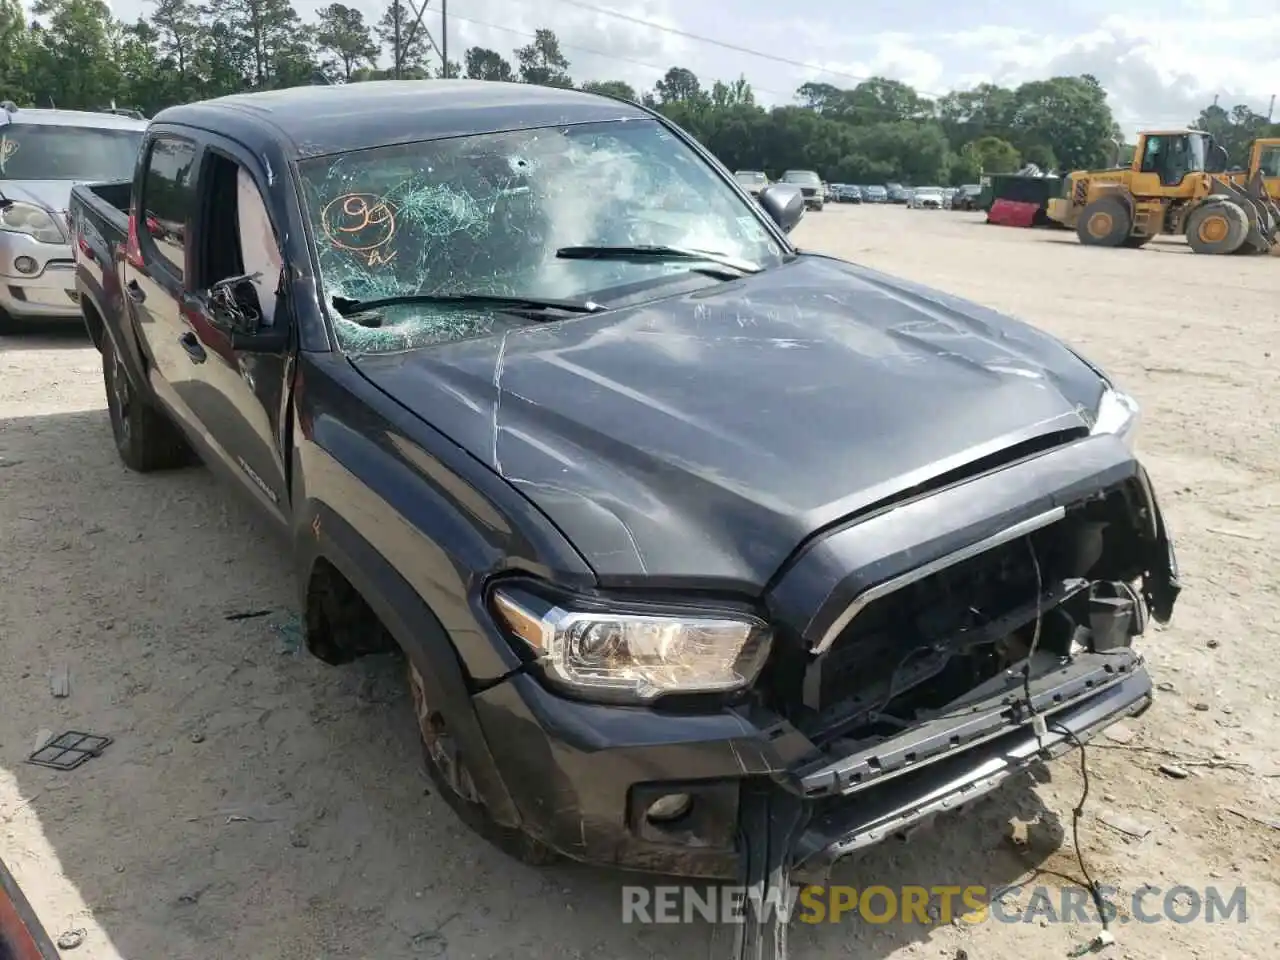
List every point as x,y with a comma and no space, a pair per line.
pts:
935,904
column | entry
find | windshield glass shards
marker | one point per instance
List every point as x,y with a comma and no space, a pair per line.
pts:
486,215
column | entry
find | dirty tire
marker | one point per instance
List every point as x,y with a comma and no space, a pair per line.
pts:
145,438
1104,223
453,783
1217,228
8,325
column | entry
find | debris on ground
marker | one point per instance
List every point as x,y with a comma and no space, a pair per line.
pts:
248,614
69,750
1096,945
60,680
1119,733
70,939
288,635
1124,824
1175,771
1271,822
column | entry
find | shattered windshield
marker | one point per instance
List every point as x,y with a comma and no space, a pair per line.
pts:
486,214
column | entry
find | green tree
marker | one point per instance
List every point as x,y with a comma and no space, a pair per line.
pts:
680,85
992,155
1069,115
73,59
401,32
1234,129
342,33
542,62
485,64
15,52
611,88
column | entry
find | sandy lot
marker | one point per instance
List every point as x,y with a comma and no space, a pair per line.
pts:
257,804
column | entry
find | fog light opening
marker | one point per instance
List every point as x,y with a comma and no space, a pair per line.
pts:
26,265
669,808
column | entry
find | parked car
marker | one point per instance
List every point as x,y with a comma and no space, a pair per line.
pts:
925,198
753,181
898,193
659,607
828,195
810,185
966,198
874,194
42,153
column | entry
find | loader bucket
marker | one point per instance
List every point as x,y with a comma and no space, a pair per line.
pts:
1264,217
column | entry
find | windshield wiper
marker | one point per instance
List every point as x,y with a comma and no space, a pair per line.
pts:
348,307
658,252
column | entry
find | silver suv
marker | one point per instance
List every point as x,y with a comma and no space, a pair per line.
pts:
42,154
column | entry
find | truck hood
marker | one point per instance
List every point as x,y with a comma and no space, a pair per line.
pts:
697,440
53,195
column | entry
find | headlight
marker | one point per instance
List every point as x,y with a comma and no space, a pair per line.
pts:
631,655
1118,414
32,220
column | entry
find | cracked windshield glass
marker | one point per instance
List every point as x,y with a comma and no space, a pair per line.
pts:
486,214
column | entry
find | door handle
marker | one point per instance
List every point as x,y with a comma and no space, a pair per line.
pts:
191,343
136,293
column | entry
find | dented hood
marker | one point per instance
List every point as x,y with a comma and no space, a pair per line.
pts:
699,439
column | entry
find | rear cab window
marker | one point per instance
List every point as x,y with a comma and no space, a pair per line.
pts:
167,202
46,151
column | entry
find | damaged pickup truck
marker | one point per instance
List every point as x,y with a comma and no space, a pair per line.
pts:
707,556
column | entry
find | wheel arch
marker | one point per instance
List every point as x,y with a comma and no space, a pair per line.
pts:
404,621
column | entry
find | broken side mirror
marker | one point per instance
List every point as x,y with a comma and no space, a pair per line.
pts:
784,203
235,310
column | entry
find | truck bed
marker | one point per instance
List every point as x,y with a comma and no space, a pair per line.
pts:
105,203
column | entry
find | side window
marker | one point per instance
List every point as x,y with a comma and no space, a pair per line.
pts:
1151,156
1269,161
238,237
168,200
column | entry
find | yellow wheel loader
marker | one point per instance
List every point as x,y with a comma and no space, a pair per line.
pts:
1177,184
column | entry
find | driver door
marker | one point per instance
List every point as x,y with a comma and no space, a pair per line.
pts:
239,395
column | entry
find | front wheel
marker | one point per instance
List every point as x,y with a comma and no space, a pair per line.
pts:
1104,223
448,771
145,438
1217,228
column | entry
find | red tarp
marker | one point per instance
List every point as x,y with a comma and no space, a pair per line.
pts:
1011,213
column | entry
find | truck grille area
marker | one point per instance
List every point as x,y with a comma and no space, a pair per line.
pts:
902,632
914,650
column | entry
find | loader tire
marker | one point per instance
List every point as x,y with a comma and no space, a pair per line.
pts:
1104,223
1217,228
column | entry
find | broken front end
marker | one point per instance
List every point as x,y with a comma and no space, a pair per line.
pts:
921,653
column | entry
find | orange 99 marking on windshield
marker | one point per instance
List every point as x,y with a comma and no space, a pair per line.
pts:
361,223
7,149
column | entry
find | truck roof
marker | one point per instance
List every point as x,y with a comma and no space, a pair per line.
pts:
318,120
72,118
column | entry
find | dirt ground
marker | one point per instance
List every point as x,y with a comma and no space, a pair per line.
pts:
258,804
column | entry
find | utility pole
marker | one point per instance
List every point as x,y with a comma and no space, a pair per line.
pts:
1271,109
444,38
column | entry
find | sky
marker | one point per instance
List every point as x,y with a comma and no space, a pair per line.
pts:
1161,62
